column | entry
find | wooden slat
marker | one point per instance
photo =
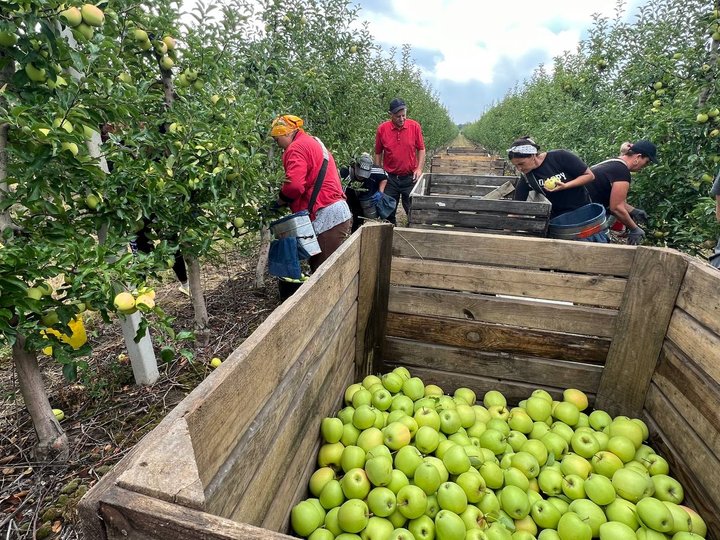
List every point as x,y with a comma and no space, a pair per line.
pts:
468,180
476,170
277,517
127,515
474,230
375,259
544,372
700,295
295,441
458,190
492,309
697,342
261,362
484,220
269,429
501,191
599,291
490,337
563,255
434,202
421,187
697,469
644,315
691,393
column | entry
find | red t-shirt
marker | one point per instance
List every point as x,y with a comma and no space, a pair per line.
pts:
399,146
302,161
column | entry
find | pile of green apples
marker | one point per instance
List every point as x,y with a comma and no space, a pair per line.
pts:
405,461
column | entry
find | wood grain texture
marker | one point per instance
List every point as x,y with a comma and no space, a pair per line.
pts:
520,208
474,230
374,284
126,515
497,338
506,367
261,362
691,462
499,310
700,295
601,291
467,180
480,219
269,430
697,342
642,322
536,253
460,190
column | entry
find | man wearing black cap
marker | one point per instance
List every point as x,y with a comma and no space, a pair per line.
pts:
612,184
400,150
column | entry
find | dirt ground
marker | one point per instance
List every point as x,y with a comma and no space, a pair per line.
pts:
105,412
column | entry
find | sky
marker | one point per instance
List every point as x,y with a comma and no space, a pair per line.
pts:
473,51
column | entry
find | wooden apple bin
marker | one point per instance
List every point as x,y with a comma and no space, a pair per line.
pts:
638,329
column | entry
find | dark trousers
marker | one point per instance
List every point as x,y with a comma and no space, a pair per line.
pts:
399,186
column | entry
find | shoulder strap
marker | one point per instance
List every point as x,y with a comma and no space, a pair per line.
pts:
535,185
320,177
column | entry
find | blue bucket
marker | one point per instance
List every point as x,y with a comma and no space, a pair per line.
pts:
586,224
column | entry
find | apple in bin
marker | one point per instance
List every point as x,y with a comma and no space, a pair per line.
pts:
331,495
305,518
550,481
572,527
545,514
449,525
427,478
655,515
408,459
353,516
355,484
614,530
411,502
379,470
353,457
668,489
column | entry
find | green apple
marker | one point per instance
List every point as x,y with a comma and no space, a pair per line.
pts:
590,513
698,525
466,394
353,457
494,441
433,390
331,429
35,74
450,496
92,15
439,465
622,447
599,420
397,481
655,515
319,478
537,449
166,63
550,481
305,518
381,501
427,477
321,534
584,444
561,502
377,528
599,489
400,533
622,511
629,484
515,477
409,422
499,411
549,534
449,421
379,470
555,444
392,382
411,502
449,526
427,439
466,414
572,527
371,380
576,397
473,518
492,474
363,417
520,420
355,484
381,399
432,506
545,514
667,488
606,463
527,463
353,516
408,459
498,531
456,460
403,403
681,519
538,408
160,47
515,439
514,501
71,16
567,412
473,484
350,392
614,530
562,429
413,388
701,118
330,455
499,424
362,396
350,435
539,429
627,428
574,464
332,495
396,435
482,415
492,398
656,464
422,528
573,486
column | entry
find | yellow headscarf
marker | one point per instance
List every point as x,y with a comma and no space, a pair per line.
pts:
285,124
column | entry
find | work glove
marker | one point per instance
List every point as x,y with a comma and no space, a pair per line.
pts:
639,215
635,236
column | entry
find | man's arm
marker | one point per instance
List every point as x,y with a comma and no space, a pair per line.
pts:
420,162
379,159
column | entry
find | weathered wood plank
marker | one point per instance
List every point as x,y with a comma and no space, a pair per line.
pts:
127,515
277,517
602,291
465,191
642,321
484,220
691,393
544,372
491,309
697,342
501,191
295,441
540,253
373,290
474,230
691,462
269,429
490,337
466,180
700,295
514,391
259,365
522,208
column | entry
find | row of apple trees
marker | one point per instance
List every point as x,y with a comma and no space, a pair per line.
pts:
128,117
654,77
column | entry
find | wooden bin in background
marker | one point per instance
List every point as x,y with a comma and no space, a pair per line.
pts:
467,163
463,202
638,329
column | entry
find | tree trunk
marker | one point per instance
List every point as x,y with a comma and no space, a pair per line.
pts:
262,257
52,441
196,293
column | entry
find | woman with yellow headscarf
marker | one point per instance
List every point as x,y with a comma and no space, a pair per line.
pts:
303,159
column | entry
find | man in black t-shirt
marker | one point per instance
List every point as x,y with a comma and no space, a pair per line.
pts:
559,175
612,184
363,181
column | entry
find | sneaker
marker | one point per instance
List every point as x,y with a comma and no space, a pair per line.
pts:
184,288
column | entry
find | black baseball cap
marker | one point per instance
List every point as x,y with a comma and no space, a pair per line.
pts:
396,105
645,148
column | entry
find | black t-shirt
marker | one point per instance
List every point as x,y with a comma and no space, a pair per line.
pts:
565,166
606,174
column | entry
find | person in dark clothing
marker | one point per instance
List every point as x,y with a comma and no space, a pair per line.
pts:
363,182
559,175
612,184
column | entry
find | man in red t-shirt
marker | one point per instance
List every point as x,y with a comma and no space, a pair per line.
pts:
400,150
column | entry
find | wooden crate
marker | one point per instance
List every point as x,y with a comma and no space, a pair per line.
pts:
638,329
475,164
472,203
